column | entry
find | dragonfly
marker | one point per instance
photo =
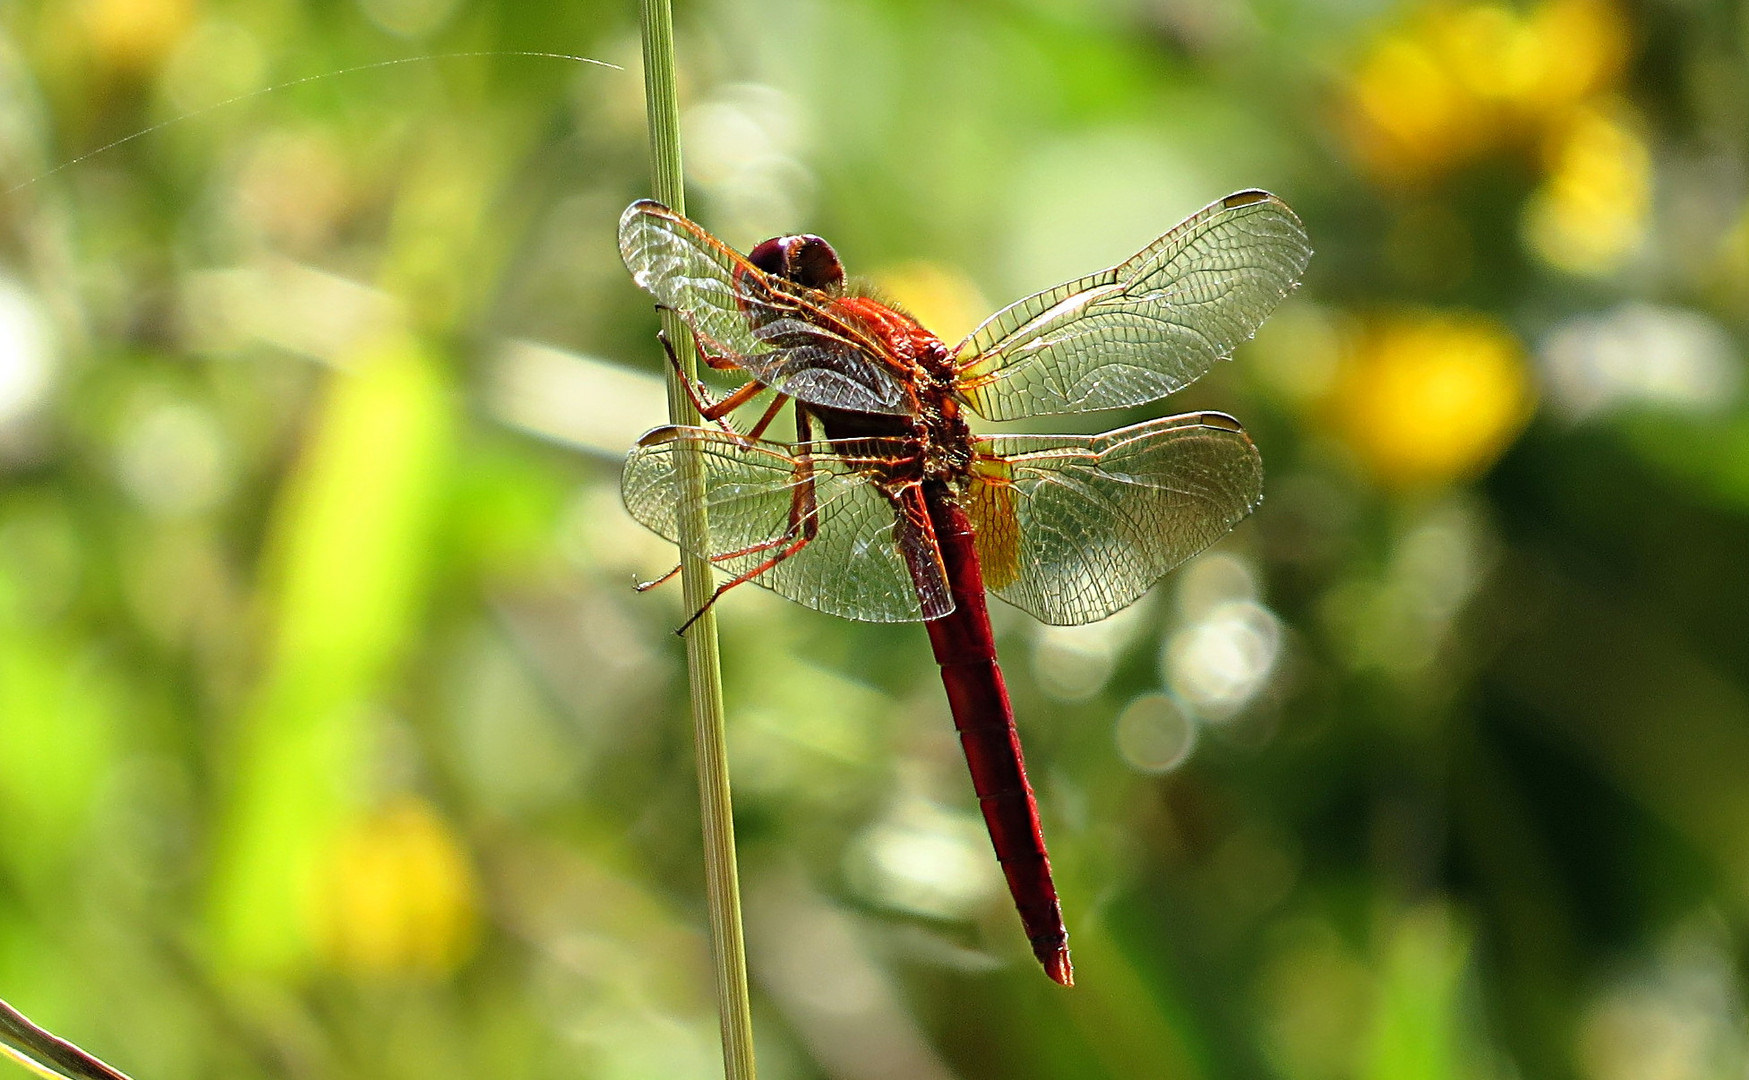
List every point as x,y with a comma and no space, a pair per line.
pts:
888,507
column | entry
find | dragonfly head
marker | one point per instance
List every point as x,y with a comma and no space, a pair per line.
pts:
805,260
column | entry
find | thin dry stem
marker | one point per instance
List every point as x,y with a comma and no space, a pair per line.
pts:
728,950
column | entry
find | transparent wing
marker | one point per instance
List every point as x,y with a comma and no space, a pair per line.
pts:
853,549
1144,328
1072,529
783,334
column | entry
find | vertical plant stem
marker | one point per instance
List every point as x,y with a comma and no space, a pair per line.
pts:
728,950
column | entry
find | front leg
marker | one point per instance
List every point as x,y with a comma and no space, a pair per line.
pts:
714,361
695,391
803,528
715,412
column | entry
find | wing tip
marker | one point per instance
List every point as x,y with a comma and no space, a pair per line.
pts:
1218,420
1257,196
661,434
639,209
1247,197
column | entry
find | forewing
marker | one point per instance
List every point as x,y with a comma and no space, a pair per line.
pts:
1144,328
760,498
1073,529
783,334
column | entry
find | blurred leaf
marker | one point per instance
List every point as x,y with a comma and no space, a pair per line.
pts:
1416,1030
351,546
57,724
1710,456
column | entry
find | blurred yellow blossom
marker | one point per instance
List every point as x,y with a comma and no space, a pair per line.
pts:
135,34
1590,213
1585,48
1455,83
939,297
1494,54
1425,399
397,894
1407,116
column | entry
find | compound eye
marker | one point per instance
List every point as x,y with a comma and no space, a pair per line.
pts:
805,260
813,263
769,256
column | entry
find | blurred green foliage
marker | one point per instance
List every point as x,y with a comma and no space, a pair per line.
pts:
333,741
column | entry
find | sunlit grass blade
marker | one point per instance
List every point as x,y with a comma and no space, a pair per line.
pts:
1418,1014
349,569
47,1054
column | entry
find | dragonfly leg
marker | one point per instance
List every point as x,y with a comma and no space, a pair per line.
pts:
807,526
792,547
721,556
694,390
710,359
646,586
803,527
734,401
716,411
758,429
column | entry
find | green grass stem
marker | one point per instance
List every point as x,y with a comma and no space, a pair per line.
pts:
728,949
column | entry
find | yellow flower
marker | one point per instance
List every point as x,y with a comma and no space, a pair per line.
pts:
1590,214
1584,50
941,298
134,34
397,895
1408,118
1494,54
1427,399
1456,83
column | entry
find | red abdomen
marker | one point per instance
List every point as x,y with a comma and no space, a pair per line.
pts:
965,648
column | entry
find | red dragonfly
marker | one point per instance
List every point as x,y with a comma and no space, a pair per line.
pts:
888,508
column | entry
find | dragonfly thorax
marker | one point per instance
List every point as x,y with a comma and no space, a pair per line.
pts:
925,364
